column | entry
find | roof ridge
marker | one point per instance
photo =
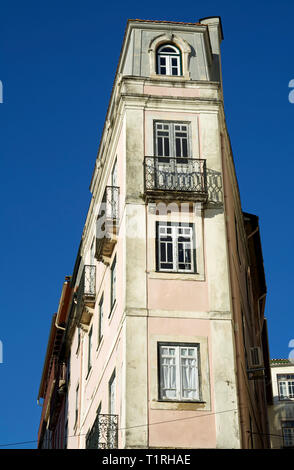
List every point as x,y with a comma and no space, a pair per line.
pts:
166,21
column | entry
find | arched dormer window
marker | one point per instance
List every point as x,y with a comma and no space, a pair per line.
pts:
168,60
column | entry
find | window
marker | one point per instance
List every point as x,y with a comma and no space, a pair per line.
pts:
286,386
114,174
92,253
77,404
288,433
175,247
168,60
92,438
113,284
100,325
179,372
79,339
172,140
90,349
111,389
114,200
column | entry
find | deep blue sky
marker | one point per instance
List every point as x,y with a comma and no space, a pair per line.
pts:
57,65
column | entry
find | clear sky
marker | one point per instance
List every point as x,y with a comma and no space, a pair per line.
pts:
57,65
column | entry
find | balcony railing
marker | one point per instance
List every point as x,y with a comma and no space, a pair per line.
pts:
165,176
107,223
104,433
86,293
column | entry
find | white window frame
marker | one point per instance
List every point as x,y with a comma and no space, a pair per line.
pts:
184,49
171,129
178,390
168,58
286,381
169,234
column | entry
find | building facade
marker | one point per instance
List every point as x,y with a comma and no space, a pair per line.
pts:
165,338
281,411
54,383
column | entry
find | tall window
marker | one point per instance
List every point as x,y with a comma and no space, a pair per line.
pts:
168,60
79,339
286,386
288,433
92,438
114,174
100,325
179,372
111,390
175,247
77,404
113,284
92,253
90,349
172,139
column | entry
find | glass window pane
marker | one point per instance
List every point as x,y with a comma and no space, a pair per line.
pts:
166,147
184,148
178,148
170,252
168,49
159,147
162,252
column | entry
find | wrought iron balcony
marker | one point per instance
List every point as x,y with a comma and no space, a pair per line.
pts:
86,294
104,433
175,178
107,223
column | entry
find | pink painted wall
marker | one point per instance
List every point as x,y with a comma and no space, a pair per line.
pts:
199,430
177,295
171,91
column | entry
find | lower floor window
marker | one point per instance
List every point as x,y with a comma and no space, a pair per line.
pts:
288,433
175,247
179,372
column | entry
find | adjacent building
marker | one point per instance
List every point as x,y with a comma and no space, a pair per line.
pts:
165,336
281,410
54,382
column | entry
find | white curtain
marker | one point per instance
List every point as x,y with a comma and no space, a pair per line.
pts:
168,377
189,377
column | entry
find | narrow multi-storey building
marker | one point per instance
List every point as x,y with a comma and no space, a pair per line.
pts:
166,340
